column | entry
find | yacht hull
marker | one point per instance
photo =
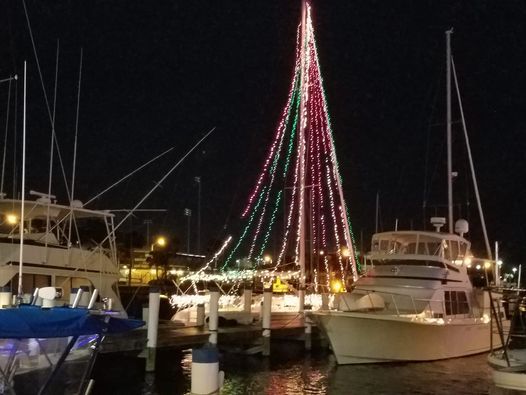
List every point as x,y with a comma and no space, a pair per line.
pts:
364,338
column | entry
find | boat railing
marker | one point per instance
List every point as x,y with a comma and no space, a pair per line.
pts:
508,319
402,305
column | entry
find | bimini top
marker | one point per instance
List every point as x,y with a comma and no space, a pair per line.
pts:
33,321
41,208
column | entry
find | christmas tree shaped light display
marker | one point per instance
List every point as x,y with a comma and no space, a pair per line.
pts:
296,212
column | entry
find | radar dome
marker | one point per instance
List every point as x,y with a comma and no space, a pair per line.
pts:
461,227
76,204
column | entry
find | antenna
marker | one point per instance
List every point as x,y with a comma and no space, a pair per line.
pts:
438,222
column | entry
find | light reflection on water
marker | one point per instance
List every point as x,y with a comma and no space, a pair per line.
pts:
292,371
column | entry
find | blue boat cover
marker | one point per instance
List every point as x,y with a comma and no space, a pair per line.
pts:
33,321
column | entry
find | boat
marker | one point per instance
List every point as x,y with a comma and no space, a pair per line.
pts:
47,244
508,363
59,250
416,300
58,291
53,350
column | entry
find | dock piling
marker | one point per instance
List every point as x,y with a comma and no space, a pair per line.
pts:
266,319
247,300
213,316
325,301
206,377
200,321
153,326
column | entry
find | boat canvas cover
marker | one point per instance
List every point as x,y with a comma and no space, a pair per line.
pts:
36,322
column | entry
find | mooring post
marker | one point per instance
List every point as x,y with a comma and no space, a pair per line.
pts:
213,315
153,326
266,319
336,301
206,377
325,301
247,299
200,321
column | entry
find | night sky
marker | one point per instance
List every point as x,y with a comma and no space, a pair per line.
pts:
161,74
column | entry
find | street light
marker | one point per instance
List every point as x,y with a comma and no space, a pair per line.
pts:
161,241
156,259
147,222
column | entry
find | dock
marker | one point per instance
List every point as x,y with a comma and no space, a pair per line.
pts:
176,336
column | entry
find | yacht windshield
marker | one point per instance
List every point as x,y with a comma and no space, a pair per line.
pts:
411,262
398,262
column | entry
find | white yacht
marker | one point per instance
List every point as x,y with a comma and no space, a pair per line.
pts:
58,250
415,302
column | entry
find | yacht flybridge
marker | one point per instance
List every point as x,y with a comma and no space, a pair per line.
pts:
59,250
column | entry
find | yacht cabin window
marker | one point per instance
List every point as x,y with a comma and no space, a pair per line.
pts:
456,302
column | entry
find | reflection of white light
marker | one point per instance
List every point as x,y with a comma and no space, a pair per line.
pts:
468,261
499,262
514,269
478,267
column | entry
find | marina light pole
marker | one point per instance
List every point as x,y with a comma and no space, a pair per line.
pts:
188,214
197,179
147,222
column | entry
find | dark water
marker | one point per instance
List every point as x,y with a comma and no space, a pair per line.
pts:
292,371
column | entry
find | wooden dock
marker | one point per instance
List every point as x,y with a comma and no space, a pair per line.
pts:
175,336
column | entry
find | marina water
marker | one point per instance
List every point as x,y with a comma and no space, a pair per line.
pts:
292,371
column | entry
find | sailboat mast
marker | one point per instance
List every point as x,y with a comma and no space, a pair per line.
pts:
301,142
22,206
448,121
